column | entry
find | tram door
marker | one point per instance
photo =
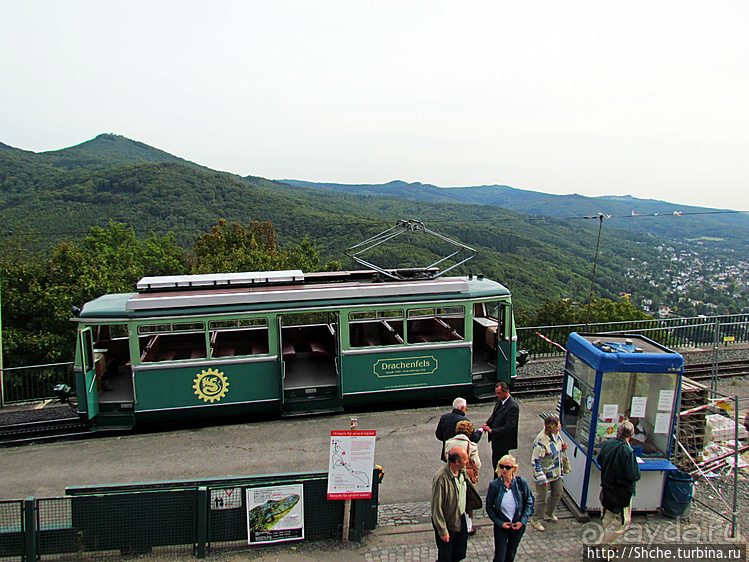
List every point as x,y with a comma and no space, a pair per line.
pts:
309,347
88,368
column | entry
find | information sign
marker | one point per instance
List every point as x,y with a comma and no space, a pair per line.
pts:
351,464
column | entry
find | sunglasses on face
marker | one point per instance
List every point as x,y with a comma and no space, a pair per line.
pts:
505,467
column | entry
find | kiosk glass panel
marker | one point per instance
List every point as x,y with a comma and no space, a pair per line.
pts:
578,400
647,400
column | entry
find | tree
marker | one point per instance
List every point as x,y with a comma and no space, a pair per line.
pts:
39,291
564,312
231,248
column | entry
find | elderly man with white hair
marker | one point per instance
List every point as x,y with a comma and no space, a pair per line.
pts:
448,422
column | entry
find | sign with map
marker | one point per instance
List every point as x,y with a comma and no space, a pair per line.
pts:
351,464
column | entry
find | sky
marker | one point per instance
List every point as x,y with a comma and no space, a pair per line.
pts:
649,99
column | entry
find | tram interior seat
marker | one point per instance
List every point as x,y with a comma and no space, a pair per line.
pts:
173,347
432,330
315,340
388,334
288,351
229,343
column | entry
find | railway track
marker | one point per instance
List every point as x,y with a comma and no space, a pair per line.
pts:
702,371
41,431
549,385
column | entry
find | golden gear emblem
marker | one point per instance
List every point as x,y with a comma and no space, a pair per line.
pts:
211,385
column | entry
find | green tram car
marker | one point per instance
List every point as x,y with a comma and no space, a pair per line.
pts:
288,343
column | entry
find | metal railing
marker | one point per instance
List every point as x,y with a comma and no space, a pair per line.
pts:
176,520
671,332
34,382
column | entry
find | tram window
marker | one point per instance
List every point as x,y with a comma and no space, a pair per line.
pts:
172,341
375,327
497,312
436,324
111,332
87,348
243,336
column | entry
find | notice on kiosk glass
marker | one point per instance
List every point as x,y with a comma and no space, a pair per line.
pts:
351,463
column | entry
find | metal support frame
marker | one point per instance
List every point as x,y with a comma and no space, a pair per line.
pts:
403,227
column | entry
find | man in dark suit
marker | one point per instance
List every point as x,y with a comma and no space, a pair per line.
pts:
502,425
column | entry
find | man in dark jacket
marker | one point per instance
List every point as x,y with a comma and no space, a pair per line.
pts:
502,425
619,472
446,426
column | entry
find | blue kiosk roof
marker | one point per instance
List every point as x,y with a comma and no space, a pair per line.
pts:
629,353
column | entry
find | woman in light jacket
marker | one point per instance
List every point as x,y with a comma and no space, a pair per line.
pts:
463,430
549,459
509,504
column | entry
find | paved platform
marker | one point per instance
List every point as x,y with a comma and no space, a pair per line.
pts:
405,534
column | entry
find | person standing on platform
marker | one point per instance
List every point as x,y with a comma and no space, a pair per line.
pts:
448,422
509,504
549,460
502,425
449,491
619,472
464,430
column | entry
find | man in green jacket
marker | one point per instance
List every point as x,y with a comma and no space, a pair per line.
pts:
619,472
449,488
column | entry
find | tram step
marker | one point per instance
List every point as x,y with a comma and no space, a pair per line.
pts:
111,421
298,413
312,406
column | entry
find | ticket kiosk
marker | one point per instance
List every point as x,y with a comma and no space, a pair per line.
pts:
608,379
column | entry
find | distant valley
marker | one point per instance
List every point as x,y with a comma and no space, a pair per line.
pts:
539,245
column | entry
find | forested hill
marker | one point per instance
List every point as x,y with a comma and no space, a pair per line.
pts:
103,152
51,197
673,221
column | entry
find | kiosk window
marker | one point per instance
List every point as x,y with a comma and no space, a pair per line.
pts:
647,400
577,402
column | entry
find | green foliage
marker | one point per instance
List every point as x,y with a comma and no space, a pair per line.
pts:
40,290
234,248
566,312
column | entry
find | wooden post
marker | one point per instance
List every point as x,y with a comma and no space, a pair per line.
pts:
346,520
347,503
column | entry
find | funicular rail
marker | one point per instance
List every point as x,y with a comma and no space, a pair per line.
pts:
47,430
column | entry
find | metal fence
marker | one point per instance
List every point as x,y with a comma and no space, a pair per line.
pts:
672,332
179,519
34,382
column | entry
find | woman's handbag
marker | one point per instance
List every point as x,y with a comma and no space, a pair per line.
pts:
473,500
471,470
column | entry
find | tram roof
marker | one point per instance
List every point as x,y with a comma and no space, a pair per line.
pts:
227,299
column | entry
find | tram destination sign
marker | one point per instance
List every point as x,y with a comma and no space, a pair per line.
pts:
405,366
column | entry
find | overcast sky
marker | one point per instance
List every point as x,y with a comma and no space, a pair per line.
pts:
594,97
